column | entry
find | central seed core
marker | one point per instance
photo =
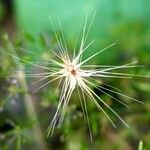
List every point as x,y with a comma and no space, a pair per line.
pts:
71,69
73,72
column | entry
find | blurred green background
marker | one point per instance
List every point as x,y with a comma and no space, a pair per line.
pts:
24,117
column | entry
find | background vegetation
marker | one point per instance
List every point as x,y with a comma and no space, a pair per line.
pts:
24,117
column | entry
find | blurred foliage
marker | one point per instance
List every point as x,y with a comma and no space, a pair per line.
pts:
1,11
125,22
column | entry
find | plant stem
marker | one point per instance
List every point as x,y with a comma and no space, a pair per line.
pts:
37,133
